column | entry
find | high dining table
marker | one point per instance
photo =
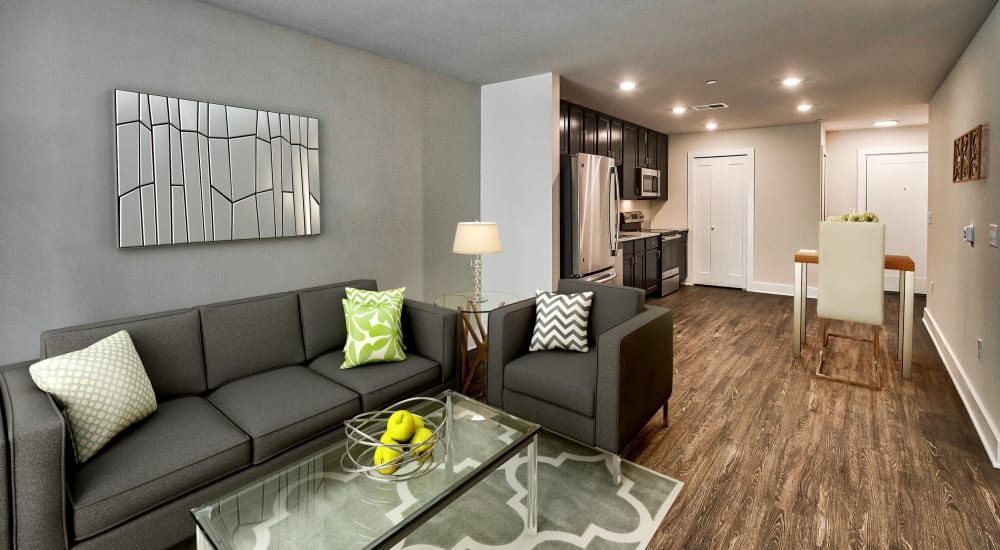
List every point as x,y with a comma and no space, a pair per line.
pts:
895,262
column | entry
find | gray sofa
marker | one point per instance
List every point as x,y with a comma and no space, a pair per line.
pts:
244,388
602,397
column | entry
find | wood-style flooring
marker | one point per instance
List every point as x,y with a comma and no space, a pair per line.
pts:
772,457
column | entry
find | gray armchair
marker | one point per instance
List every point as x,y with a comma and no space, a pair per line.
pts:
603,397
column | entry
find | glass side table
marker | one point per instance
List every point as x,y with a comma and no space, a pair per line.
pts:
472,327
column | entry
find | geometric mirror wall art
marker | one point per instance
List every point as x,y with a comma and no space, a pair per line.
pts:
191,171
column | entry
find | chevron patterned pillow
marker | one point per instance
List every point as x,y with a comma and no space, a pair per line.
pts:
561,321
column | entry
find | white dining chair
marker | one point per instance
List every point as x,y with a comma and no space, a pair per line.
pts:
852,262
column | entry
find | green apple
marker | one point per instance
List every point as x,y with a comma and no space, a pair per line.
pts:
387,456
418,422
400,426
423,440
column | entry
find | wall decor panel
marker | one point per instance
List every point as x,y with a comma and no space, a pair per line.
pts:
192,171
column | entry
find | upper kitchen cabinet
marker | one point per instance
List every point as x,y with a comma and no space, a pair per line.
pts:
661,163
575,130
630,148
616,140
604,136
563,128
590,132
644,151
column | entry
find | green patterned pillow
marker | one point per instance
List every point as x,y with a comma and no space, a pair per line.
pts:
394,297
102,390
372,334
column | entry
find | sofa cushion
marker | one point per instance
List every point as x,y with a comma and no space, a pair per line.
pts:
564,378
169,344
186,444
284,407
383,383
323,326
245,337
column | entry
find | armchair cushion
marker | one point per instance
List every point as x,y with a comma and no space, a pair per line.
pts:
564,378
561,321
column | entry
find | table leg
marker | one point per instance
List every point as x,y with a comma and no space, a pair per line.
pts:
798,311
906,321
449,449
201,540
533,485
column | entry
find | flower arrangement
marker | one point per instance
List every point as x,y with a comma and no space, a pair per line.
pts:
867,216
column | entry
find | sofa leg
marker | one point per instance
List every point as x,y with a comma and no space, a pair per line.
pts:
616,469
666,414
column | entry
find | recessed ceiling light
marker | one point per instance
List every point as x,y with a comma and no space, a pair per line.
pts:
710,82
679,110
627,85
804,107
884,123
791,81
711,126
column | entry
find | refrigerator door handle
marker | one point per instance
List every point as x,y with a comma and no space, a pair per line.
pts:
615,231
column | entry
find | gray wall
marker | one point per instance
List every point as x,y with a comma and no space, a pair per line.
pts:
399,161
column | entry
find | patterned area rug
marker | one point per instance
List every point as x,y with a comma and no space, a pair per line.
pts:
579,506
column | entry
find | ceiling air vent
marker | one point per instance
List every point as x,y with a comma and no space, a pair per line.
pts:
710,107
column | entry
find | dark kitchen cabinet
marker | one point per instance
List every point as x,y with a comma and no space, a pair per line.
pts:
575,130
641,265
590,132
661,163
630,144
616,140
642,149
563,129
651,271
604,136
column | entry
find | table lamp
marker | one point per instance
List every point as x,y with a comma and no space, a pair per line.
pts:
476,238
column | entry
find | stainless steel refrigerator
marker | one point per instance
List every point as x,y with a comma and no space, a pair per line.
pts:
589,204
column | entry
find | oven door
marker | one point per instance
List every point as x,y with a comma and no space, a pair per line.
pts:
649,183
670,245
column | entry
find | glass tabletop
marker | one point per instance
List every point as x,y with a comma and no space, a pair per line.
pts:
491,300
317,504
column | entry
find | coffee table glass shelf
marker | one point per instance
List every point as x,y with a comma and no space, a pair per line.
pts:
317,503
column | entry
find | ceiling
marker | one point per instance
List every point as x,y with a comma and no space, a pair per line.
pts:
860,60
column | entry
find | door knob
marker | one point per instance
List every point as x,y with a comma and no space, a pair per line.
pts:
713,228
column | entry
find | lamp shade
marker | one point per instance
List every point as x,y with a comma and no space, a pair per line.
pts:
476,238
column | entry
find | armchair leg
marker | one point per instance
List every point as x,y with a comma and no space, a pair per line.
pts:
666,415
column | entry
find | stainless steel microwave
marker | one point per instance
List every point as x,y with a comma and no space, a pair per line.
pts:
648,183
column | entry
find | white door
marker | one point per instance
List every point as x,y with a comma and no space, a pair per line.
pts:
896,190
719,228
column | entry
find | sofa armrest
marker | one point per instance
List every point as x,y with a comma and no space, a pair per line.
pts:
635,369
509,332
432,332
37,434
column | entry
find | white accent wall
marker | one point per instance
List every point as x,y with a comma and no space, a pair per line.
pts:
965,302
519,182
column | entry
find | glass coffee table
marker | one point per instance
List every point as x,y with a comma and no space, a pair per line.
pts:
318,504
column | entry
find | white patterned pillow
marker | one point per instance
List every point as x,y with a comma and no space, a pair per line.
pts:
102,389
561,321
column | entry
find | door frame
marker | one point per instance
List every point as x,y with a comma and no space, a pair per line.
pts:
748,214
865,152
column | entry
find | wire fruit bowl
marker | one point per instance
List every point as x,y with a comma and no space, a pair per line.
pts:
363,433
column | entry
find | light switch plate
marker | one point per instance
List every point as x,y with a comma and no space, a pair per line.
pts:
968,232
993,235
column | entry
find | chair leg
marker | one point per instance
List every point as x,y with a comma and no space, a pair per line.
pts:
874,341
666,415
824,337
616,469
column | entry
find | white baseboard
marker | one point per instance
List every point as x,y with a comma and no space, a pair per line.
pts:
777,288
988,433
